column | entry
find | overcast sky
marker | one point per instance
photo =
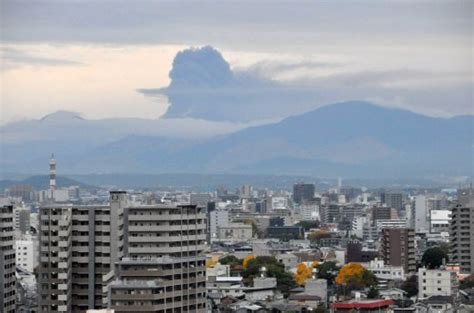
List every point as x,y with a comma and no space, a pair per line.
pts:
91,57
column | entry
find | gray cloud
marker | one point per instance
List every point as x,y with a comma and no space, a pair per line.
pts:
203,86
280,26
268,69
436,32
13,58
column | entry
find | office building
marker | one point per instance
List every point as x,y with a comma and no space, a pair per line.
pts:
303,193
200,199
79,246
234,232
356,253
350,193
25,192
437,283
7,261
330,214
392,200
357,227
285,233
385,272
462,231
246,191
164,268
22,219
398,248
440,221
309,212
278,204
26,256
383,213
217,218
421,215
394,223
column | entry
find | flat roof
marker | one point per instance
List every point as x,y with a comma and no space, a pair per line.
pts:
228,278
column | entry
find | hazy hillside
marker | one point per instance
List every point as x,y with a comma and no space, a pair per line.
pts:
352,139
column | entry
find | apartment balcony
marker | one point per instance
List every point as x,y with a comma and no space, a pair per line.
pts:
81,217
164,239
153,272
165,228
138,297
165,217
152,250
139,308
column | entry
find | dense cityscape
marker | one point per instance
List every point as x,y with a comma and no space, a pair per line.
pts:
345,249
203,156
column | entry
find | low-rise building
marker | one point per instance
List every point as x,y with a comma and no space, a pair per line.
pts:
234,232
437,283
386,272
285,233
365,305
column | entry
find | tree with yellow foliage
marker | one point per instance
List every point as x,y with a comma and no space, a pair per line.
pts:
247,259
317,235
210,263
302,273
355,275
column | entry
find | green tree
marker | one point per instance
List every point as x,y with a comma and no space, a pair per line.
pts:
256,232
230,260
285,280
373,293
369,278
433,258
410,286
328,271
317,235
307,225
321,309
467,282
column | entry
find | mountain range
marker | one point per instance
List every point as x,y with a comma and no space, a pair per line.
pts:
41,182
351,139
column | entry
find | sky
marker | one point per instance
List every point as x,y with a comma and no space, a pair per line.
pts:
94,57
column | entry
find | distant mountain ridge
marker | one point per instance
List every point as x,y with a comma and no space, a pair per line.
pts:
350,139
41,182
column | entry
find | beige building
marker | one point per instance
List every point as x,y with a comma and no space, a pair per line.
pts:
79,246
165,268
234,232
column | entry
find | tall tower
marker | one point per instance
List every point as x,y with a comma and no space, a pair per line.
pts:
52,176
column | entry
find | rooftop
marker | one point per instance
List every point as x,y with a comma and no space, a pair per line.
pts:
363,304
